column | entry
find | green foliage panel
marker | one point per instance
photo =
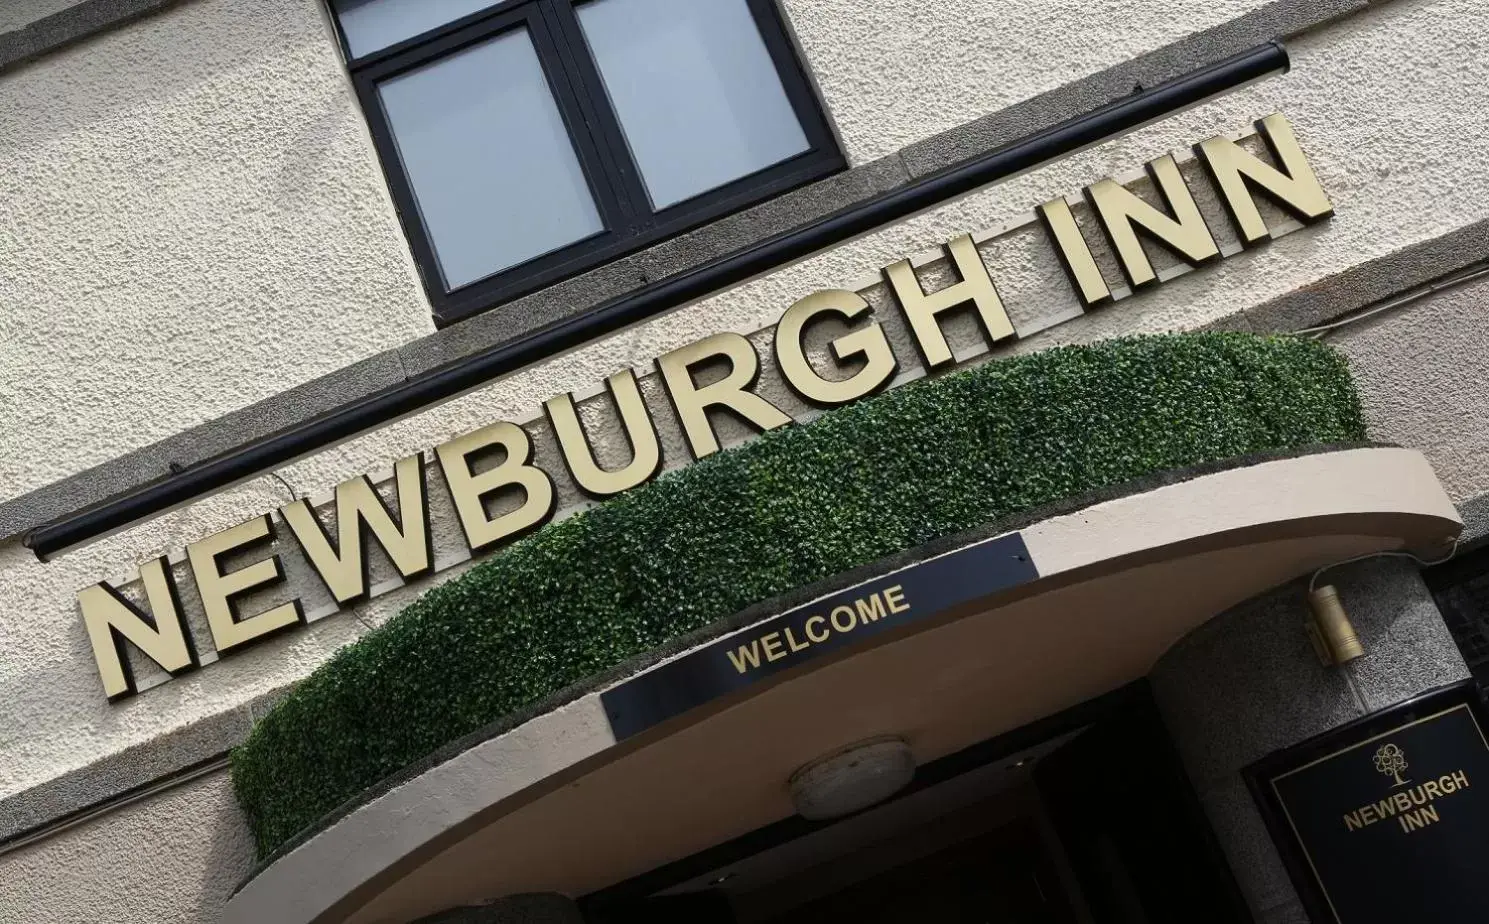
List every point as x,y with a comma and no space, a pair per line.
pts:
797,505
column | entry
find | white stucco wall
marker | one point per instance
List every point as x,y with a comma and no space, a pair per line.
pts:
191,219
894,72
172,858
1392,132
1423,376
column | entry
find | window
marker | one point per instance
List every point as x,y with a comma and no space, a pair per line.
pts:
529,141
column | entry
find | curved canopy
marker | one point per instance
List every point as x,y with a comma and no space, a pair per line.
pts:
558,804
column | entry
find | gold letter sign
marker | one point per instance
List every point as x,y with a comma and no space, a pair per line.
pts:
830,348
359,511
635,420
923,310
732,392
1237,173
470,490
1123,214
221,589
868,342
160,635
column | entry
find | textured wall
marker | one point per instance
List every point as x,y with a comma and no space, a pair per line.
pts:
1393,133
191,219
173,858
1423,375
16,14
894,72
1247,683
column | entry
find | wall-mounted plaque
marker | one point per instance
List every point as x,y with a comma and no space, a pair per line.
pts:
1386,820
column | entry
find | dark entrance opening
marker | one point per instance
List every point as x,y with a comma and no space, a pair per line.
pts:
1085,817
1461,588
1004,875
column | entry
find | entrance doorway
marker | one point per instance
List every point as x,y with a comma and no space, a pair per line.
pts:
1083,818
1005,875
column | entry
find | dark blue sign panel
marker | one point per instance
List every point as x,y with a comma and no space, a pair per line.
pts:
819,628
1392,826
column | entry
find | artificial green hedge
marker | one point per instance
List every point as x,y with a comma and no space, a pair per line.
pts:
797,505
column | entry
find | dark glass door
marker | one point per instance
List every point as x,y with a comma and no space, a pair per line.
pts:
1002,877
1133,831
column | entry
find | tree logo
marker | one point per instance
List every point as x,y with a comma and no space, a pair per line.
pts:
1391,760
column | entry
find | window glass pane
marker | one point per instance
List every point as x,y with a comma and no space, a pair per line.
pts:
696,91
373,24
491,164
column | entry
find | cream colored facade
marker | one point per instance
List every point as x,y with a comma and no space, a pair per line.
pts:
193,219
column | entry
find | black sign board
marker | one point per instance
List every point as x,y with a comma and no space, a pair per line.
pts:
1386,820
819,628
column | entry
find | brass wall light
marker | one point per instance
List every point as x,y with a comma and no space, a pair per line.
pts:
1333,635
1330,630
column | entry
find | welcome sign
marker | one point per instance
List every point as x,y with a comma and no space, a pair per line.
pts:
912,594
233,571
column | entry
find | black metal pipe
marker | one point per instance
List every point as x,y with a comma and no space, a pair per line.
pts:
1124,115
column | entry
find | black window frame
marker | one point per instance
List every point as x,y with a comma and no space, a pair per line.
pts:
594,129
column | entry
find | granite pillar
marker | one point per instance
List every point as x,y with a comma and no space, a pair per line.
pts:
1247,683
